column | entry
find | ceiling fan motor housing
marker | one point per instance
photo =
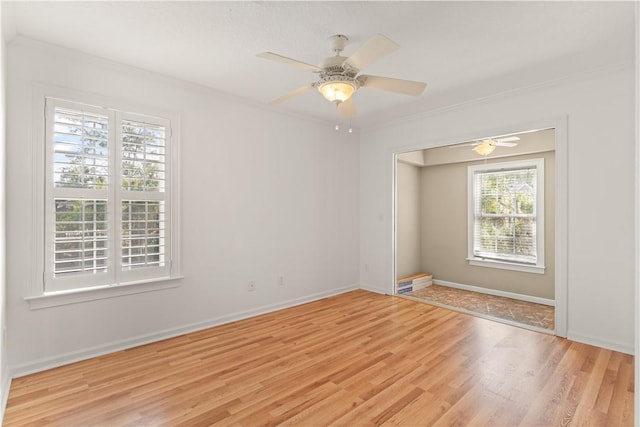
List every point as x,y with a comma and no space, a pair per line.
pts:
335,65
337,82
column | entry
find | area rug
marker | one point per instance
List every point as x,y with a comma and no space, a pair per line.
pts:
519,313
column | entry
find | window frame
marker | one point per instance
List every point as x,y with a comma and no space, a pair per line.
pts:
40,296
474,260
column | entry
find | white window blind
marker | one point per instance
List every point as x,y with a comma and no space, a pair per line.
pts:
505,216
107,219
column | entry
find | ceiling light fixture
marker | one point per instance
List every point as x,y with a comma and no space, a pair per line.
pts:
484,149
337,88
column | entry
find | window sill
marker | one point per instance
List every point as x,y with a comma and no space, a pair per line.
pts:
504,265
75,296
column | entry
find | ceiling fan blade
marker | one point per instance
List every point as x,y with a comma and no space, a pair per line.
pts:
374,49
407,87
283,59
347,108
507,139
505,144
292,94
463,145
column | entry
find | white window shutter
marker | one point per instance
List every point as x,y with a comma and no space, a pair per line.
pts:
107,218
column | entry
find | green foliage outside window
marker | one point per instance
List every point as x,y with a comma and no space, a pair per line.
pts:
505,214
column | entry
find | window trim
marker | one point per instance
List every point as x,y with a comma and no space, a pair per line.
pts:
92,294
473,260
37,296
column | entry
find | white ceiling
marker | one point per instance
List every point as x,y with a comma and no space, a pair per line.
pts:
463,50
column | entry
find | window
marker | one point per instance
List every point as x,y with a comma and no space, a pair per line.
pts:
107,197
506,215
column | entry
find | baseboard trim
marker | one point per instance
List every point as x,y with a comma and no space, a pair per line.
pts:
76,356
598,342
371,288
512,295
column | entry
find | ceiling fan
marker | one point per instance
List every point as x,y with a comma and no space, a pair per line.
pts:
485,147
340,78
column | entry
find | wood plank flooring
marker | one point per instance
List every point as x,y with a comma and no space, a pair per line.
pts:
354,359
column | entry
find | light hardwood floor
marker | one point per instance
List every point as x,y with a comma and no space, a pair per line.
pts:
354,359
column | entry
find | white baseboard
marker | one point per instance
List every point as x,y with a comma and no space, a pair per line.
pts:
75,356
371,288
497,293
598,342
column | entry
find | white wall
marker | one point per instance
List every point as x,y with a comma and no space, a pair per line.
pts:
5,379
600,135
263,195
636,400
408,253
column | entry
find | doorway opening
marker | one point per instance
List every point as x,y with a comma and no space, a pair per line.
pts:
475,227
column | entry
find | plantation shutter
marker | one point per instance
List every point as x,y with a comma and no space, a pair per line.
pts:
145,198
78,224
107,197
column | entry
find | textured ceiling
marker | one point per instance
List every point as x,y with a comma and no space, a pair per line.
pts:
463,50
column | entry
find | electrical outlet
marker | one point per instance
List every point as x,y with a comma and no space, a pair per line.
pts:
281,281
252,286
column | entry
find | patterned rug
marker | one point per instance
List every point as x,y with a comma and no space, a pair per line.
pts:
535,316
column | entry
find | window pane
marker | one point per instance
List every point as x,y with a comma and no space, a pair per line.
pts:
80,237
80,149
505,215
143,156
143,234
508,192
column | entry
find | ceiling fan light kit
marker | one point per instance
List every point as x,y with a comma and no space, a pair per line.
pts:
484,149
337,88
339,75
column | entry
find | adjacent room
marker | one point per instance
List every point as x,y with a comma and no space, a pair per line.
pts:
206,208
479,218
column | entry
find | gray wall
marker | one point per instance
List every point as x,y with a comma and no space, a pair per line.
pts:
408,220
443,194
